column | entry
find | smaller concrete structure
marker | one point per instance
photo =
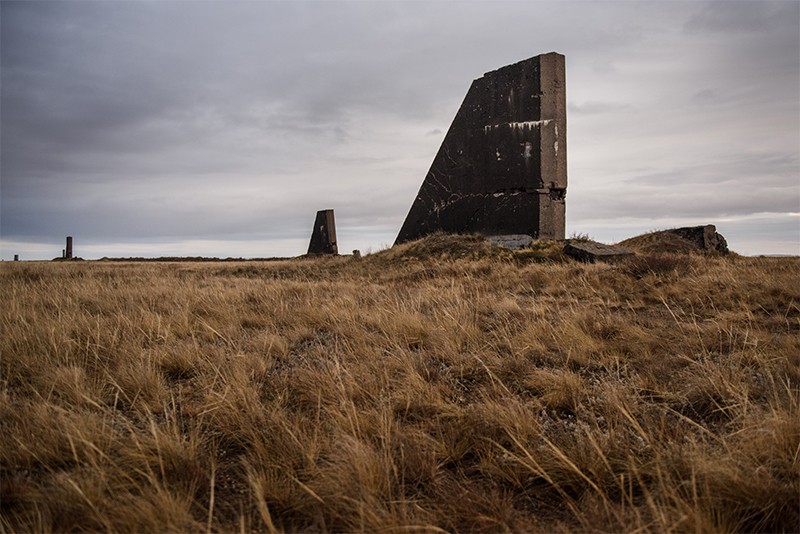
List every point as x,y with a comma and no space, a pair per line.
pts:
704,237
592,251
323,235
16,257
687,240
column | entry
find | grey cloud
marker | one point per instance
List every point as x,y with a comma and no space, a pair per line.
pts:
706,201
775,169
706,187
738,16
146,88
596,107
761,37
137,214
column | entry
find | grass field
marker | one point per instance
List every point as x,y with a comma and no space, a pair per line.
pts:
439,385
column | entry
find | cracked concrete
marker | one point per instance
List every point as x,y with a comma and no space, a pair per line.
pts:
502,168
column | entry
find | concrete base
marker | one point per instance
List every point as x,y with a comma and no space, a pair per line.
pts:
592,251
513,241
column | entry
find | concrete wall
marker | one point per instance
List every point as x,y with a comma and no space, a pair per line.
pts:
502,168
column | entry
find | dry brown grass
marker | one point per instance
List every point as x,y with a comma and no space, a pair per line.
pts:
440,385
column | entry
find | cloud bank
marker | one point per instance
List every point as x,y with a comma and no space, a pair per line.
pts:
221,128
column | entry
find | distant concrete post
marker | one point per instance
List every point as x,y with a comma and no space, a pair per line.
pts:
16,257
63,253
323,236
68,254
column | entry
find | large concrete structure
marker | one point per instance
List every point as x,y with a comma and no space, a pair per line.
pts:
502,168
323,235
68,250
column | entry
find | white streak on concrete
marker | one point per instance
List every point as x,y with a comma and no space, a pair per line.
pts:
515,125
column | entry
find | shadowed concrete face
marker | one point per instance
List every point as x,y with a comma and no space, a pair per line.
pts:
68,250
502,168
703,237
323,236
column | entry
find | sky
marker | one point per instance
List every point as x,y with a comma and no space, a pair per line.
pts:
206,128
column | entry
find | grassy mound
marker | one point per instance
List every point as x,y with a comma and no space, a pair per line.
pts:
660,242
440,246
447,247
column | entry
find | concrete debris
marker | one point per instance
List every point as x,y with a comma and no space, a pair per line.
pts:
592,251
704,237
513,241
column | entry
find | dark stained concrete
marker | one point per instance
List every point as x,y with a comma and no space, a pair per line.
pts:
68,250
502,168
323,235
704,237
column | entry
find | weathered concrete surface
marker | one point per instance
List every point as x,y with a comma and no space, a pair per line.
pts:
323,235
68,253
592,251
513,241
704,237
685,240
502,168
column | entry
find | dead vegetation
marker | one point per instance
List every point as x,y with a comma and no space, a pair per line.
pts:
440,385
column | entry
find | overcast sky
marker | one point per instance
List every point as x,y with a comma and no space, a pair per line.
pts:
220,128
